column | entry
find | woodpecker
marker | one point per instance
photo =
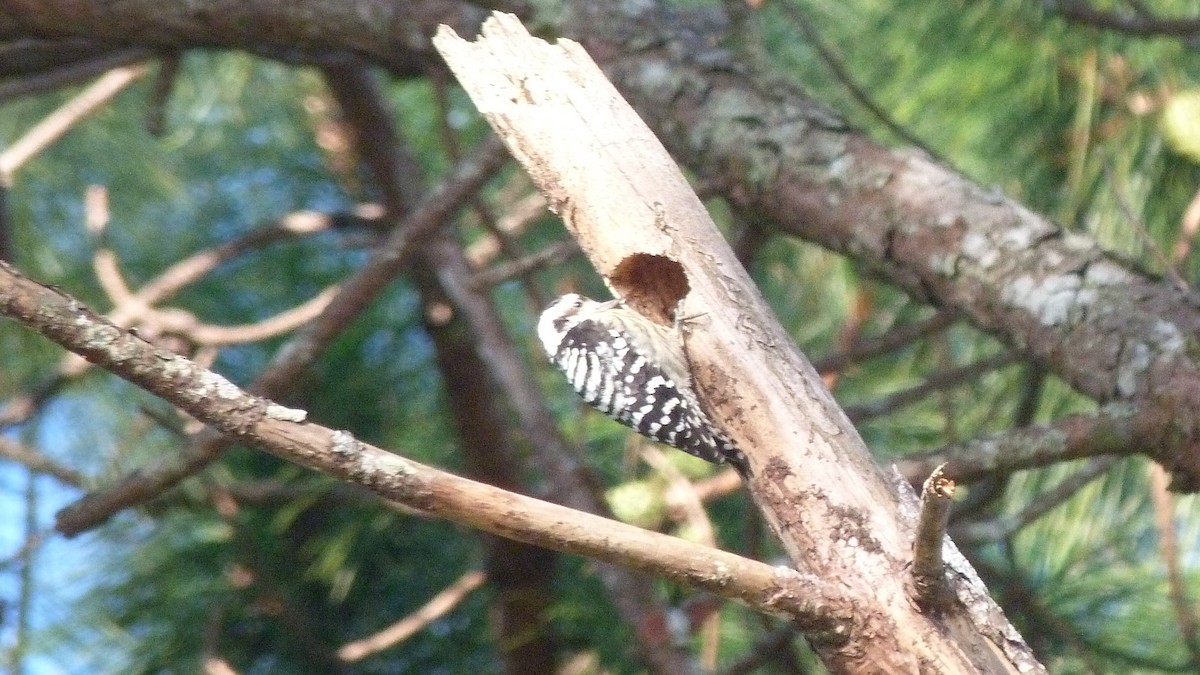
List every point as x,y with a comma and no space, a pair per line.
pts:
634,371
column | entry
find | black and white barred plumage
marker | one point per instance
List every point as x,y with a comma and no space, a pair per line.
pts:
634,371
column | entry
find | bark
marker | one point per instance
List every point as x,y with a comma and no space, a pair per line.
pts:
61,33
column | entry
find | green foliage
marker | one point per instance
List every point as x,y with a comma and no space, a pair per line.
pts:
1073,122
1095,566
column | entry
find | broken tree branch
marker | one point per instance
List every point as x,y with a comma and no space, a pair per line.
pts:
928,568
644,229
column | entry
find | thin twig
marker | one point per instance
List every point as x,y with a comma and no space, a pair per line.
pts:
171,281
164,82
57,123
185,324
549,256
721,483
78,71
1188,228
860,94
890,341
928,571
1127,210
38,463
104,261
939,381
437,607
517,217
131,308
1114,430
1164,519
1002,527
1137,24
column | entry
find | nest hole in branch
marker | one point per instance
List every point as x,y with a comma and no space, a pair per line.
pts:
651,284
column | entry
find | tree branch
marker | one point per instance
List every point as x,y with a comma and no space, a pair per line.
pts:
1116,429
436,608
256,421
937,381
67,115
811,473
71,73
37,462
1131,24
894,339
